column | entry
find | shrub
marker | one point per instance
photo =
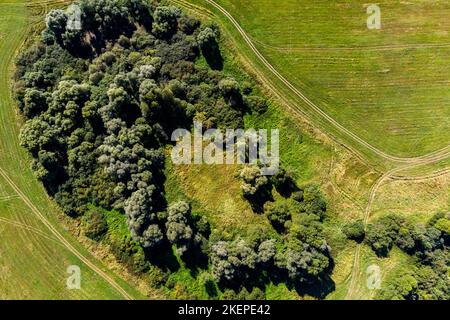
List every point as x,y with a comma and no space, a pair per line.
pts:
278,215
95,225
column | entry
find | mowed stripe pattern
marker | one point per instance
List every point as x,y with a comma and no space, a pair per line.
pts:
35,250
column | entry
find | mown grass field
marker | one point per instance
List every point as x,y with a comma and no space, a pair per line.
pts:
379,84
388,86
33,263
292,41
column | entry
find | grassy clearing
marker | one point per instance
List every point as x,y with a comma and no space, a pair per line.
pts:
390,268
215,191
33,266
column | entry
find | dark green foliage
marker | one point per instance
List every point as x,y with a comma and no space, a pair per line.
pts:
233,261
284,183
99,118
56,22
298,196
307,254
429,278
382,234
302,257
390,230
165,21
354,230
188,24
441,221
129,253
403,288
179,231
244,294
255,187
100,104
35,102
433,282
314,201
208,43
256,104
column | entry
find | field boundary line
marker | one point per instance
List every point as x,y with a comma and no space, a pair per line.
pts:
29,228
36,211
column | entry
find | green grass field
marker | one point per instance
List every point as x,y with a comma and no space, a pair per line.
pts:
388,86
406,115
33,262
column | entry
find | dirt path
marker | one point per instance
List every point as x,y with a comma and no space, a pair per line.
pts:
54,234
29,228
399,160
61,238
401,163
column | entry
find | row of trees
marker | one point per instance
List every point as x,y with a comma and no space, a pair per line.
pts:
301,257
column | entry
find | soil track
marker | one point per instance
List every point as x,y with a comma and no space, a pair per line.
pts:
54,235
61,238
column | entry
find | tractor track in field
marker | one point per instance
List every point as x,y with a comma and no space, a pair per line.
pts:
29,228
355,48
387,175
402,163
408,162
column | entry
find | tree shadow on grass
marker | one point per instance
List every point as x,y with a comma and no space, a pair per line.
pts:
213,57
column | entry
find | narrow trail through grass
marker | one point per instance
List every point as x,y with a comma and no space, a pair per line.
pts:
28,223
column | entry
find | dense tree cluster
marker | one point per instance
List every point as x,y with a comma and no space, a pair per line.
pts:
306,254
279,215
101,101
256,187
429,244
184,230
301,256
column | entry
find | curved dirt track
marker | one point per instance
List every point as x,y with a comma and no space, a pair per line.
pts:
388,175
55,234
430,158
444,152
401,163
61,238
